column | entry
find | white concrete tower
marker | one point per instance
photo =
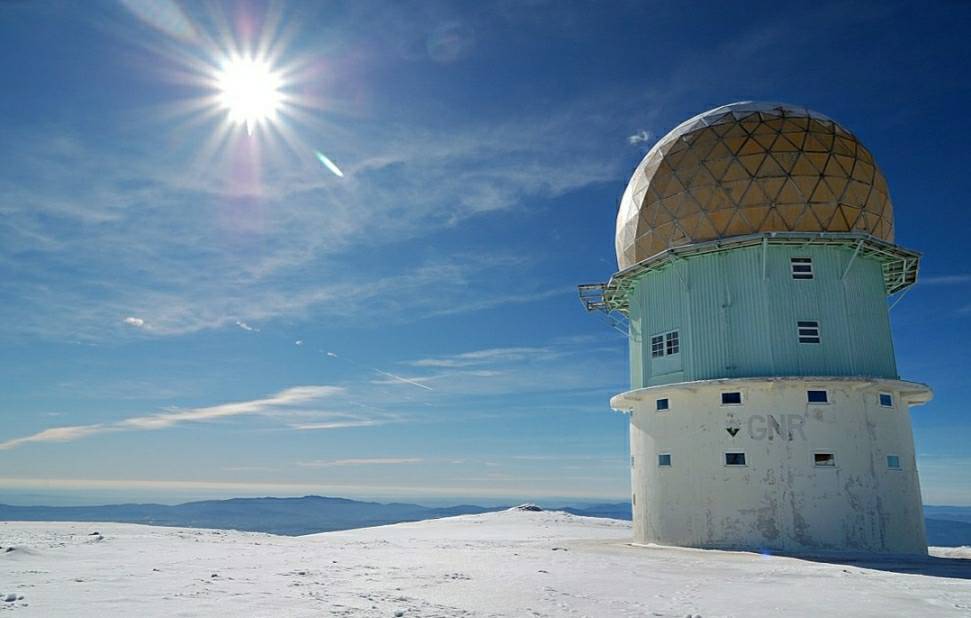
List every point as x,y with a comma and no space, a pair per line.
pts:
756,255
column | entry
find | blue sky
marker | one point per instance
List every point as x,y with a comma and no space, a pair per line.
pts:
184,317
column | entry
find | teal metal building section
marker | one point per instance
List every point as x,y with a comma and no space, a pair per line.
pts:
736,312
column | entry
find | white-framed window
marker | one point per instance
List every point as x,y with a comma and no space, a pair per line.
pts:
665,344
808,331
732,398
817,396
735,458
802,267
672,343
664,460
824,459
886,400
893,462
663,404
657,346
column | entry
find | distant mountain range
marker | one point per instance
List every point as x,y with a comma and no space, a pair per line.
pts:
947,526
289,516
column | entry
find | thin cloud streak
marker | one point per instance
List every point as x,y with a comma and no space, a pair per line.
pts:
945,279
290,397
483,357
336,425
394,378
379,461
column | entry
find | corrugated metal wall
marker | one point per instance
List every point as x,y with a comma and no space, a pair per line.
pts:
733,322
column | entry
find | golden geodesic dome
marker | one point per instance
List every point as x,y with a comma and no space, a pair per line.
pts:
748,168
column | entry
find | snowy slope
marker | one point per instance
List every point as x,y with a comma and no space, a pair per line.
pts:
512,563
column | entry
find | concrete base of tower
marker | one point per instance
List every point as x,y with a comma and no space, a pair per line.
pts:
786,464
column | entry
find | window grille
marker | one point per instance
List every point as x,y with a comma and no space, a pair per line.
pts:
802,267
808,331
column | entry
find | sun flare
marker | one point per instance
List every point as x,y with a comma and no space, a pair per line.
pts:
249,90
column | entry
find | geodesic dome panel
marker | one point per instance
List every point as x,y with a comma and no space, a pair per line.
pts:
748,168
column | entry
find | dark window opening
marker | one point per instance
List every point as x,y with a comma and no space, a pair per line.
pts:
734,459
732,399
817,396
664,460
662,404
886,400
824,460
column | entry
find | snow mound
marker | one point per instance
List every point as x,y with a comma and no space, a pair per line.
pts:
508,563
963,552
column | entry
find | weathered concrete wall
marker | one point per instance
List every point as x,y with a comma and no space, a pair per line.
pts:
780,499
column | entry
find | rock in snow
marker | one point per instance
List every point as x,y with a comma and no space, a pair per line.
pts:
527,507
496,564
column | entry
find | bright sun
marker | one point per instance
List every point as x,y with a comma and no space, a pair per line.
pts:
250,91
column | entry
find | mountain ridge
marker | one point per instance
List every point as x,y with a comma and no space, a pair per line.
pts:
947,526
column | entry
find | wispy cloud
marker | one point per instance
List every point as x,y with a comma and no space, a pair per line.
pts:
246,327
488,356
248,468
380,461
336,424
393,377
133,321
178,240
561,365
959,279
640,137
272,405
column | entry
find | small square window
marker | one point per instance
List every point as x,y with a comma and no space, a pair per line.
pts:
732,399
664,459
808,331
886,400
824,460
662,404
817,396
672,343
657,346
734,459
802,267
631,461
893,462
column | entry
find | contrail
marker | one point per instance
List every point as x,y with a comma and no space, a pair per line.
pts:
384,373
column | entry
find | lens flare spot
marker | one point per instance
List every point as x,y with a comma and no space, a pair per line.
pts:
329,164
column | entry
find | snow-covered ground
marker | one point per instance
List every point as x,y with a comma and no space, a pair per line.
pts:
513,563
